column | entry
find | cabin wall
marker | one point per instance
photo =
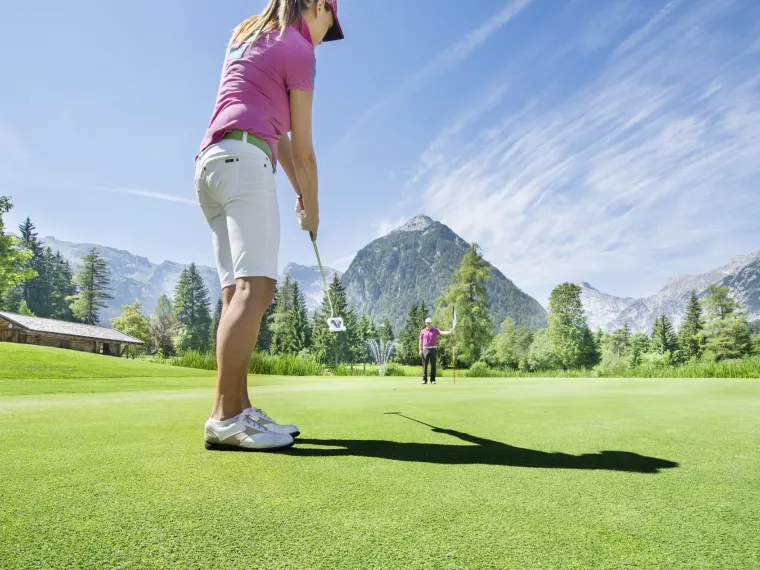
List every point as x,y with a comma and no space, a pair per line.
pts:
16,335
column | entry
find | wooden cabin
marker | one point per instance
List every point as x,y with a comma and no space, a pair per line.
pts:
61,334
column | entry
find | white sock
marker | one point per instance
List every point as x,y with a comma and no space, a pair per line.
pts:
226,423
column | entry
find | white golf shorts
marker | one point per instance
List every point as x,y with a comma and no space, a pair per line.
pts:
236,190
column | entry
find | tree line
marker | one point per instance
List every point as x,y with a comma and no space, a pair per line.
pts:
36,281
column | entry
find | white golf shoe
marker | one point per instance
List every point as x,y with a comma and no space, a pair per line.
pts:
272,425
243,433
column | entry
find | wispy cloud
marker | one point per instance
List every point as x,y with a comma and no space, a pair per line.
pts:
342,263
149,194
654,157
453,54
386,226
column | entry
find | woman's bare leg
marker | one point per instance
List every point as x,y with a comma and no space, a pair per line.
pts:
242,308
227,294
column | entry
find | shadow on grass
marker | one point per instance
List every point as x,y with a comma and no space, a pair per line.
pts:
482,452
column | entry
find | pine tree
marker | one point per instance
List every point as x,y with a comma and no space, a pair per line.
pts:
621,340
281,323
215,324
134,323
14,258
568,330
33,290
335,348
409,338
192,311
23,309
726,333
386,331
467,293
300,327
690,341
364,334
163,327
664,339
93,284
264,340
640,342
59,286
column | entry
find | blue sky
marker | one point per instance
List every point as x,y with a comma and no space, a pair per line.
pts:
615,142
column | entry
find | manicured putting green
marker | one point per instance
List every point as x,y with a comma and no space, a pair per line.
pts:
519,473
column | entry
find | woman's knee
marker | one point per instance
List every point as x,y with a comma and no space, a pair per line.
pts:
255,292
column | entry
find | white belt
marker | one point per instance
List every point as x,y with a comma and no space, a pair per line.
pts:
434,346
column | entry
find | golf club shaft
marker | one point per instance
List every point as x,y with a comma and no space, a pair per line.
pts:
319,262
322,273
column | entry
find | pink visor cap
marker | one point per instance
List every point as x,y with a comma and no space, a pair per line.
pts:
335,32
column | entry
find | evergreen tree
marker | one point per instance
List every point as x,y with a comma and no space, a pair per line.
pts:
568,330
300,327
726,333
134,323
467,293
23,309
14,258
365,329
93,286
621,340
690,341
163,326
386,331
590,354
215,324
335,348
60,286
192,311
33,290
264,340
409,338
281,323
664,339
640,342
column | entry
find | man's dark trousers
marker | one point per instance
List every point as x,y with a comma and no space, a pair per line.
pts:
428,356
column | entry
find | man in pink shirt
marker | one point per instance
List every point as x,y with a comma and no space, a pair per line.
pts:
428,346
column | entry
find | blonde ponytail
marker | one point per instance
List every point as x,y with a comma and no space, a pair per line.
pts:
277,15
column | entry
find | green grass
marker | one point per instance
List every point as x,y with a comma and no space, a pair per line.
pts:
518,473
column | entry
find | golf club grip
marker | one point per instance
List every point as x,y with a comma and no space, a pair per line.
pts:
300,202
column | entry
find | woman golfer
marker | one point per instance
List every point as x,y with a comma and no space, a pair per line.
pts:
265,92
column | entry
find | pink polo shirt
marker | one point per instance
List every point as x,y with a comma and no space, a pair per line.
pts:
429,337
256,79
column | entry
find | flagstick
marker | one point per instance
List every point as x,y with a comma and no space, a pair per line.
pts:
453,341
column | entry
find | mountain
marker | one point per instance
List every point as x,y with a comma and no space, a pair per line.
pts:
601,309
415,263
310,282
134,278
741,275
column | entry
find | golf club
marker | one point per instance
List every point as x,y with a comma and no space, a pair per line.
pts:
334,324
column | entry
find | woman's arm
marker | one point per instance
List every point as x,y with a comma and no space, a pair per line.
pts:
304,159
285,158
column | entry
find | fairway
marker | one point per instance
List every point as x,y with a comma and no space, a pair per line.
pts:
518,473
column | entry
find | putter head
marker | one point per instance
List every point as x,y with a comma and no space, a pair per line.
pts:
335,324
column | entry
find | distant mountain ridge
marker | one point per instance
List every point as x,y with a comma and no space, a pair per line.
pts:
741,275
309,282
415,263
134,278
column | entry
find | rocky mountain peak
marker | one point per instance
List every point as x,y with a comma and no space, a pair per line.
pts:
416,224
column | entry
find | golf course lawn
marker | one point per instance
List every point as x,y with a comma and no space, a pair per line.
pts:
108,470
